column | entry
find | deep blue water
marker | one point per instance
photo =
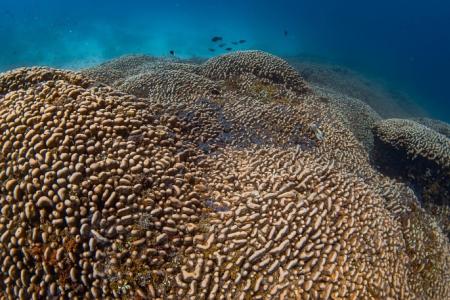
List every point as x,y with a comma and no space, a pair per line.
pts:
405,43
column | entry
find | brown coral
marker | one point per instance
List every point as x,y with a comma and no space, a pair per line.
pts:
169,84
115,71
118,68
77,183
348,83
244,108
356,115
104,195
418,154
429,253
437,125
258,63
293,228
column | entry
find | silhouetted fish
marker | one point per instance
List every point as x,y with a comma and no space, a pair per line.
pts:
242,41
285,32
172,52
222,45
216,39
235,43
211,49
228,49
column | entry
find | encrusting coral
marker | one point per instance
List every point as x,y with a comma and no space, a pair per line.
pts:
225,180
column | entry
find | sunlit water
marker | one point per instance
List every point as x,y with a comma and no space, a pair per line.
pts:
403,44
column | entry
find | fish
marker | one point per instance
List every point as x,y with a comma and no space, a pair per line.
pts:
222,45
242,41
235,43
228,49
216,39
285,32
172,52
211,49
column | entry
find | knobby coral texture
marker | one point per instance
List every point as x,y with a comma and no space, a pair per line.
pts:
148,178
420,153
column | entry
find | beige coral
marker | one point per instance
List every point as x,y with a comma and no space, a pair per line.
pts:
293,227
356,115
437,125
169,84
105,195
258,63
81,167
415,139
115,71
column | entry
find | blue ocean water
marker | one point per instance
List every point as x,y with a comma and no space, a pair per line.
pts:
404,43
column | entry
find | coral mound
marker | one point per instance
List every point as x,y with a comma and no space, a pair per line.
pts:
118,68
169,84
417,153
258,63
242,108
437,125
356,115
24,78
84,172
256,191
283,225
115,71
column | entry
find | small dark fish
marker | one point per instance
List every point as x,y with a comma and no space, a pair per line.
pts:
235,43
216,39
172,52
211,49
285,32
222,45
228,49
242,41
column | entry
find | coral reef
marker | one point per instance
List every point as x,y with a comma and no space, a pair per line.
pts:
349,83
116,70
119,68
437,125
357,115
169,84
258,63
224,179
294,229
242,108
418,154
429,253
79,168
